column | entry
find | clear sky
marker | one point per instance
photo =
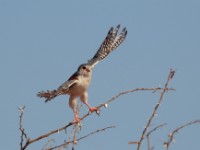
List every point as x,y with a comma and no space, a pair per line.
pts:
42,42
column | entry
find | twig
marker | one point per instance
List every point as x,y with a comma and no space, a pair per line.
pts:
23,134
126,92
171,135
151,131
72,141
29,141
46,135
170,76
48,144
77,127
147,135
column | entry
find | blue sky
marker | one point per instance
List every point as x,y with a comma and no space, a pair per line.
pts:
43,43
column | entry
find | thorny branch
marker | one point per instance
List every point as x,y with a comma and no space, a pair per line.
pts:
30,141
171,135
72,141
170,76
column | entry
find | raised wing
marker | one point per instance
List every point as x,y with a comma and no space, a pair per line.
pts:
110,43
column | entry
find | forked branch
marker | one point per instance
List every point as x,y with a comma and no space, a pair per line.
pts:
72,141
154,113
30,141
150,132
171,135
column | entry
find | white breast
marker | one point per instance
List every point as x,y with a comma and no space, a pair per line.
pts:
80,87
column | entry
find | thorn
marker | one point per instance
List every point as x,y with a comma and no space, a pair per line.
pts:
79,125
165,145
21,108
173,140
156,115
170,135
106,105
75,142
98,112
172,72
133,142
158,104
146,128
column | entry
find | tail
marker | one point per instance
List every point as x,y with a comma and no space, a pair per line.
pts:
49,95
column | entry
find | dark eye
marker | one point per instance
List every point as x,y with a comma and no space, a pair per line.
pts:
84,67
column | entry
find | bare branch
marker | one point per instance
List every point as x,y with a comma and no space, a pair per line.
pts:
47,145
77,127
72,141
151,131
22,130
171,135
170,76
47,134
126,92
154,129
29,141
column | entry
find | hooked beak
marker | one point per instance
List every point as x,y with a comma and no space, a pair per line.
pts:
88,69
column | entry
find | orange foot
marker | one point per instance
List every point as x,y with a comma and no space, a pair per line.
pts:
92,109
96,109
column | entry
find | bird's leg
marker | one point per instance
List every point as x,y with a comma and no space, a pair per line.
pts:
91,109
72,104
84,99
76,117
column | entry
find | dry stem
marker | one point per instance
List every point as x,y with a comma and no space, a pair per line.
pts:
72,141
170,76
151,131
22,130
171,135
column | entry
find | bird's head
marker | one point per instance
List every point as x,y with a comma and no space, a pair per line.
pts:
85,69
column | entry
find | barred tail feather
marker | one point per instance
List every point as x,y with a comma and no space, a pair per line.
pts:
49,95
119,39
110,43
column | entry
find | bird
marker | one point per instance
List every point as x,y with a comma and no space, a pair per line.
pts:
76,86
